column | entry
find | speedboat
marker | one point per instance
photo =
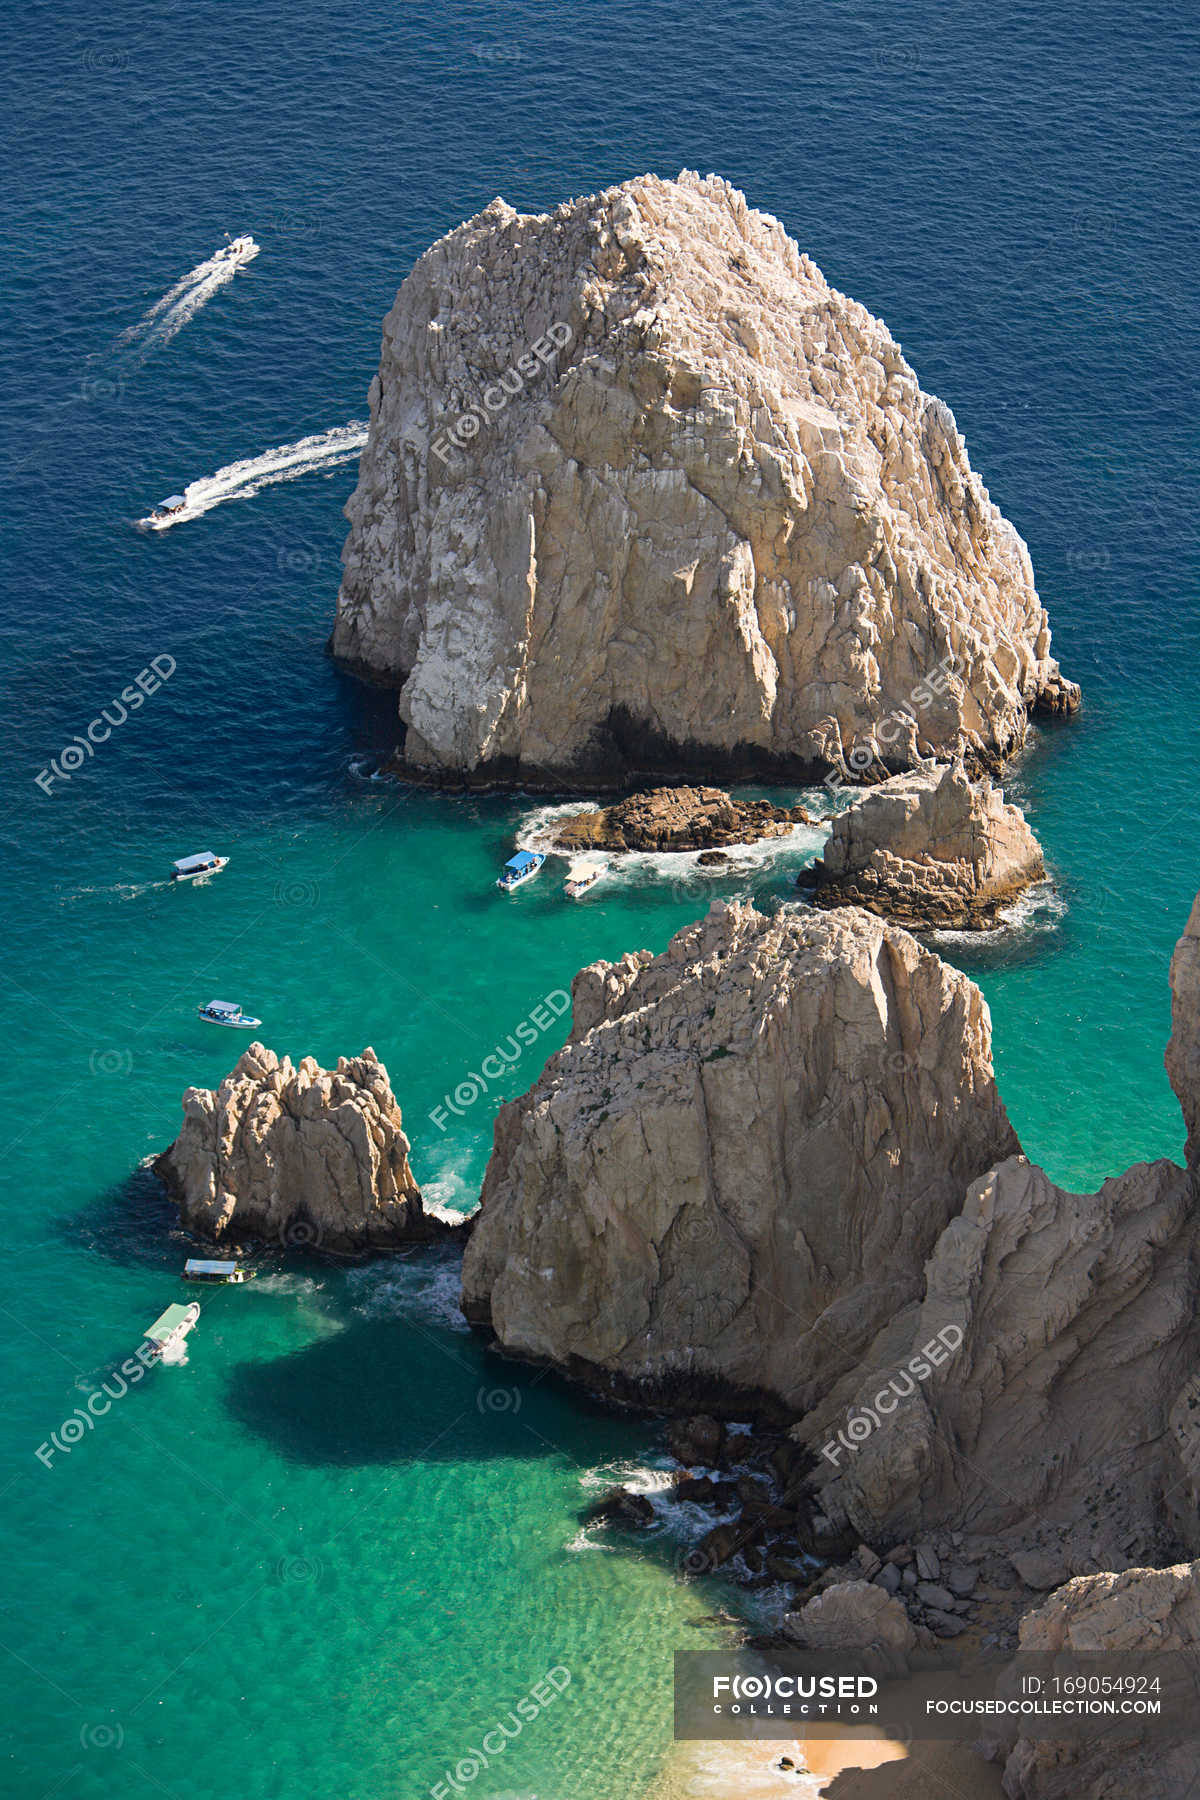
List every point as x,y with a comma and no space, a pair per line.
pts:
227,1012
197,1268
168,1331
167,509
233,249
580,877
519,869
203,863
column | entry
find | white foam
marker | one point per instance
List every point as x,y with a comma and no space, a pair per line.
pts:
286,462
681,869
182,302
424,1289
1040,908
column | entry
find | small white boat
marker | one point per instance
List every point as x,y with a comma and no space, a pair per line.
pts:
234,249
581,876
227,1012
519,869
198,1268
203,863
168,1331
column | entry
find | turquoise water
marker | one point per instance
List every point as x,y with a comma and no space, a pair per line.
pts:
325,1555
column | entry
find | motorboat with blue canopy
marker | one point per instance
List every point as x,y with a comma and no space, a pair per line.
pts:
520,868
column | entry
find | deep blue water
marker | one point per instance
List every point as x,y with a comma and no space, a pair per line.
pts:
320,1556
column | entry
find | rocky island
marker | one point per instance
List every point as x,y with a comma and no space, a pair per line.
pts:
299,1156
643,493
676,819
928,849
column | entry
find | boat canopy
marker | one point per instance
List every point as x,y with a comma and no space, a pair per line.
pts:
584,871
521,861
169,1322
186,864
174,500
196,1265
223,1006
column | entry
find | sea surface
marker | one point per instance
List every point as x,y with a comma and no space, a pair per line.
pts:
326,1554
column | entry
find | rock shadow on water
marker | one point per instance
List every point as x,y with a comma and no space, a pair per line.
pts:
383,1391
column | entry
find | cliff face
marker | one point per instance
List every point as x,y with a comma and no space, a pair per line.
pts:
298,1156
929,848
643,491
731,1175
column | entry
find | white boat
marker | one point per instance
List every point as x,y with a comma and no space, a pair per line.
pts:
203,863
165,511
168,1331
581,876
233,249
519,869
198,1268
227,1012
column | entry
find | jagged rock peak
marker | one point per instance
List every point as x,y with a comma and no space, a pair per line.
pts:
642,491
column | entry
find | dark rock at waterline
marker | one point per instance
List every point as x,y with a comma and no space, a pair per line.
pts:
621,1507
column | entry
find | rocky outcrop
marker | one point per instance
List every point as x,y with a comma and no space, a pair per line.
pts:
928,849
682,818
643,492
859,1619
299,1156
1141,1623
1183,1051
729,1178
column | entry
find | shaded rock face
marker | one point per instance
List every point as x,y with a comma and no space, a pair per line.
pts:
643,492
929,849
1138,1622
730,1176
1067,1422
683,818
303,1156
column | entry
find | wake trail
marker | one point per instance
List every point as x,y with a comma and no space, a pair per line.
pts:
182,302
286,462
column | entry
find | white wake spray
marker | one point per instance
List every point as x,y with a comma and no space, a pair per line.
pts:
286,462
182,302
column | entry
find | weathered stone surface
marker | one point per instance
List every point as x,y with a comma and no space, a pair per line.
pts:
730,1176
721,527
300,1156
859,1619
1183,1051
1139,1622
928,849
681,818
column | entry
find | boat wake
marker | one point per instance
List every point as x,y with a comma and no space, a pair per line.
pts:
286,462
424,1290
182,302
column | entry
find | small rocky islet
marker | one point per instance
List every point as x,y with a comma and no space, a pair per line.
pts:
712,529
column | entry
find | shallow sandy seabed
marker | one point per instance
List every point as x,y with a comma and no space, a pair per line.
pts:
854,1767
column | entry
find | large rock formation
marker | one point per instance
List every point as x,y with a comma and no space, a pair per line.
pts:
1142,1623
642,491
300,1156
730,1176
1067,1423
682,818
928,849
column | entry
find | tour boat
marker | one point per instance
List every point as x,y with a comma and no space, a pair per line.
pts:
580,877
196,1268
169,1329
203,863
227,1012
519,869
169,508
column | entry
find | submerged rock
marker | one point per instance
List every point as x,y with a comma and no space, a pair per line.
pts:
643,492
299,1156
680,818
730,1177
928,849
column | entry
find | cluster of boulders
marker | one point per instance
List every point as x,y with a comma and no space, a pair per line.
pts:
677,818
